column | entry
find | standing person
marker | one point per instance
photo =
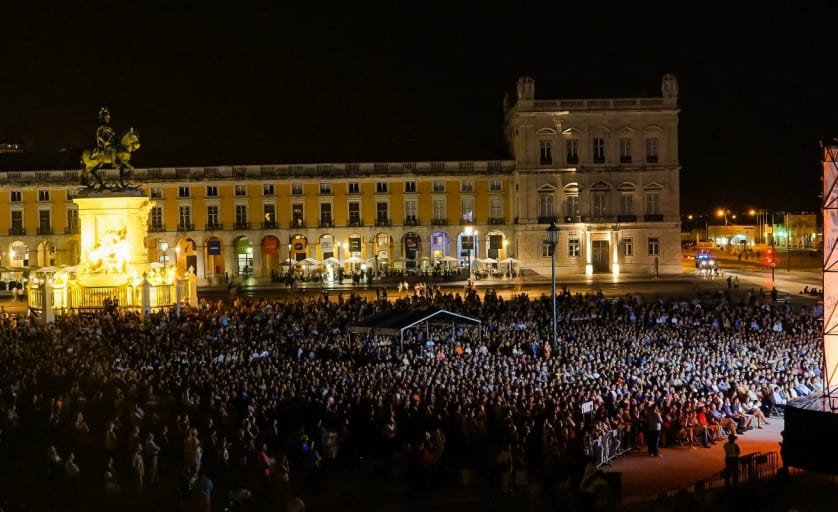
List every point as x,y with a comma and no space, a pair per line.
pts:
152,453
72,473
731,462
55,468
203,492
137,470
654,421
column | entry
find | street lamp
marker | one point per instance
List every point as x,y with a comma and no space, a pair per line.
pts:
552,238
724,212
343,262
468,243
164,246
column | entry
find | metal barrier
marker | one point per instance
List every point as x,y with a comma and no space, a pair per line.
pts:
608,446
753,467
72,297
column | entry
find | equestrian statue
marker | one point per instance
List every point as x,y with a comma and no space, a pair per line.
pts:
111,151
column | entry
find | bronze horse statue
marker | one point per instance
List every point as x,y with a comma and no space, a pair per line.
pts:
119,156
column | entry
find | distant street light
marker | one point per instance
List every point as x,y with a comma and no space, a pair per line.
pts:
552,238
468,243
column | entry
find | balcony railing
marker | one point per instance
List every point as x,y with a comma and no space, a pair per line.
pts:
241,226
71,230
382,222
269,224
497,220
44,230
546,219
156,228
297,223
325,223
411,221
356,223
653,217
17,231
572,160
186,227
599,219
652,159
572,219
625,159
214,227
439,222
627,218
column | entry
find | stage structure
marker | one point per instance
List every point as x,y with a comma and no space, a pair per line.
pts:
811,422
113,267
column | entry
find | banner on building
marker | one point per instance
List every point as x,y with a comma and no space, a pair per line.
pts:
214,247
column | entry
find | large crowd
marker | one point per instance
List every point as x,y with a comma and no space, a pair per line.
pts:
255,402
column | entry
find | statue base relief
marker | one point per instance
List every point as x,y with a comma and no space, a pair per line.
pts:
114,227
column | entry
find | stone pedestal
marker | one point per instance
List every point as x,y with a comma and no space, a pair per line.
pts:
114,226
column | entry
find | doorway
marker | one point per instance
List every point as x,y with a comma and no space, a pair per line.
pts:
599,256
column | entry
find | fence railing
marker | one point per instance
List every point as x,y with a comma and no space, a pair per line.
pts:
608,446
753,467
73,297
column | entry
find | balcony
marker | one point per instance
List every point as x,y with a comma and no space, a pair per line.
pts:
355,223
625,159
44,230
547,219
653,217
382,222
71,230
466,222
214,227
497,220
325,223
439,222
546,161
652,159
156,228
186,227
18,231
411,221
572,159
269,224
599,219
241,226
626,218
297,223
572,219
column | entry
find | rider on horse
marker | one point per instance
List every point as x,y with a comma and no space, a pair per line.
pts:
105,136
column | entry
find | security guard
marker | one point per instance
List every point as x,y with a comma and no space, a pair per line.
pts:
731,462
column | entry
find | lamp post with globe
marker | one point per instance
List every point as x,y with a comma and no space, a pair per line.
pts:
552,239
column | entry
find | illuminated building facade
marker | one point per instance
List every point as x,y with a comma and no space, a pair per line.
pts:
606,171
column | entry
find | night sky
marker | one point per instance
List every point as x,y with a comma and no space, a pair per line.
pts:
270,84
